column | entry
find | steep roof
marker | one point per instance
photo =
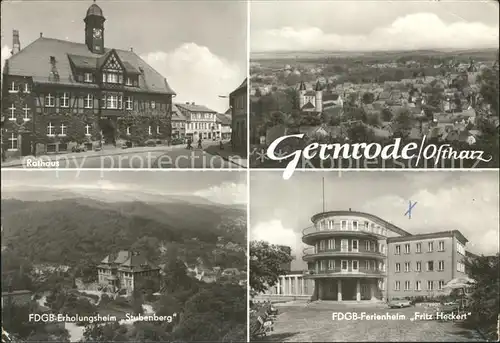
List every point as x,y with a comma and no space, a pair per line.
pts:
34,61
223,119
241,87
194,108
177,114
308,106
302,86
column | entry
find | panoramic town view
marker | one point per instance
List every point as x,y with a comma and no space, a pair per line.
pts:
375,79
404,262
123,257
81,91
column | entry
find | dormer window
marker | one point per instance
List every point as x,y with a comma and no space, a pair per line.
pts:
26,88
87,77
128,81
110,77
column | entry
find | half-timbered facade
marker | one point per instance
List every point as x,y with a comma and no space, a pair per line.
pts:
58,94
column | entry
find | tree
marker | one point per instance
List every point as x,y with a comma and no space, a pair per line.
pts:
403,125
486,294
176,277
266,264
368,98
386,114
359,133
489,88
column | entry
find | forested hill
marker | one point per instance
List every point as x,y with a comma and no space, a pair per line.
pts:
68,231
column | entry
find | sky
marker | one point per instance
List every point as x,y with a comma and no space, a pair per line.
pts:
364,25
222,187
467,201
199,46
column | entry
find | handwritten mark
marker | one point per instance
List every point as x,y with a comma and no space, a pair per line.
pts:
410,207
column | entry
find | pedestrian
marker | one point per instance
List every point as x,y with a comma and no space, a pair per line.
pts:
221,146
199,144
189,147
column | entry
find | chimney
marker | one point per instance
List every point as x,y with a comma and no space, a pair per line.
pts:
16,43
132,49
52,60
41,34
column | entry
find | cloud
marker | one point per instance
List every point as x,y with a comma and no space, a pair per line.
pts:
470,207
228,193
5,55
410,32
198,75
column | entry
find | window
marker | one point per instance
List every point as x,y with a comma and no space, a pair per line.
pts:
441,246
440,284
49,100
344,265
112,101
13,88
331,244
157,130
407,267
26,88
343,225
407,285
398,267
344,245
367,265
12,112
372,228
87,77
331,264
50,130
367,245
367,226
128,103
13,142
149,130
460,267
398,250
373,247
355,266
26,110
397,285
383,248
63,130
355,225
430,285
418,285
374,265
321,243
431,246
419,266
355,245
460,249
430,266
153,105
88,127
322,265
418,248
65,100
128,81
128,130
407,248
440,266
88,100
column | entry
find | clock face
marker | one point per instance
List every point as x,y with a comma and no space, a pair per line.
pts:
97,33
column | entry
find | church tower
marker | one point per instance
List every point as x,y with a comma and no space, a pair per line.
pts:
302,94
319,97
94,29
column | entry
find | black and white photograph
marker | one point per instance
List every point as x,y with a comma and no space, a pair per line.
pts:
425,72
382,256
137,256
124,84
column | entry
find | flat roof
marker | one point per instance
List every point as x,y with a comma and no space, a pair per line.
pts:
441,234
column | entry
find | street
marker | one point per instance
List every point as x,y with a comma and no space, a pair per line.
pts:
157,157
313,323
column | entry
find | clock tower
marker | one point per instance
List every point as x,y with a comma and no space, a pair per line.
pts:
94,29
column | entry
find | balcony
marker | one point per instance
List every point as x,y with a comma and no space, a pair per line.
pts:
309,254
338,273
311,234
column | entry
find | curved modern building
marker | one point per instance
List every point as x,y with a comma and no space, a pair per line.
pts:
347,257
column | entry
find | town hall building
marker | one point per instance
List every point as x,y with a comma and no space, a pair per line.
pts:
57,95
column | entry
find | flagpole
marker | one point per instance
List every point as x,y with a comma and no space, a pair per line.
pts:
323,186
